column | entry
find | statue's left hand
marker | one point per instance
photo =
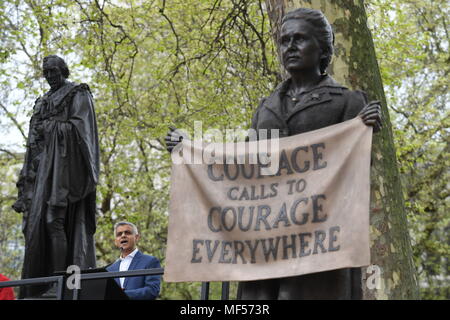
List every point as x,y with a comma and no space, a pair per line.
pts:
173,138
371,115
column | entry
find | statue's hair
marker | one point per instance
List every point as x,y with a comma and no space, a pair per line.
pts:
126,223
61,64
323,31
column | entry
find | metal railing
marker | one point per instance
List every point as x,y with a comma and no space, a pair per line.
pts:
34,281
60,281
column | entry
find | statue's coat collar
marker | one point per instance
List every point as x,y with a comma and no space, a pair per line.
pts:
319,94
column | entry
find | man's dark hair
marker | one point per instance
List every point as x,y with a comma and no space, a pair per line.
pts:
323,31
126,223
61,64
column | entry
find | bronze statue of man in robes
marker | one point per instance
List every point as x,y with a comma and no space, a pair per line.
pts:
57,184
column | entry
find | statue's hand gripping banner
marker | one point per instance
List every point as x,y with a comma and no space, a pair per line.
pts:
306,211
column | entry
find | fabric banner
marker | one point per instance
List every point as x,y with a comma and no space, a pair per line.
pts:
235,222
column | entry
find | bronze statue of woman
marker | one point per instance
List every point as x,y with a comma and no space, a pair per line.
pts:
309,100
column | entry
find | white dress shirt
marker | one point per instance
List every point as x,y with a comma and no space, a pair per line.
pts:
125,264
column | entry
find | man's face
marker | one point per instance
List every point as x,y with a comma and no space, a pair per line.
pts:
53,74
125,238
300,49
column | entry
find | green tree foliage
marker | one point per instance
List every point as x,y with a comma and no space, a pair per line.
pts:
412,41
155,63
149,65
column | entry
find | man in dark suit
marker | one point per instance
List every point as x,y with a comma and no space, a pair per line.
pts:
136,288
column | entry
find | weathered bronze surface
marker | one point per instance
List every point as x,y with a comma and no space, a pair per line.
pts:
57,184
309,100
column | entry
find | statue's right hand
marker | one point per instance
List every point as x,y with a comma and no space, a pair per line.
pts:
37,130
173,138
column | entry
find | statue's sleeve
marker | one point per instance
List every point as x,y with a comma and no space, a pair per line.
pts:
82,117
356,100
255,115
74,144
253,133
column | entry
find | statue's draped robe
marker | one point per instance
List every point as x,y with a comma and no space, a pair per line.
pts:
326,104
61,169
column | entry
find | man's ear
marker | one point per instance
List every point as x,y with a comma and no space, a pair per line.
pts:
138,236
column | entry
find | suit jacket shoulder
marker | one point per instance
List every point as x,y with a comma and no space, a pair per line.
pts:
145,258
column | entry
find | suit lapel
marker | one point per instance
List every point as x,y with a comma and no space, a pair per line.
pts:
114,268
133,265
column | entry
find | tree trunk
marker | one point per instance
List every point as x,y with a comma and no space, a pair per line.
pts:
355,66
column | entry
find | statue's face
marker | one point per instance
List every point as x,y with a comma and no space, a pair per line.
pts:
53,74
300,49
